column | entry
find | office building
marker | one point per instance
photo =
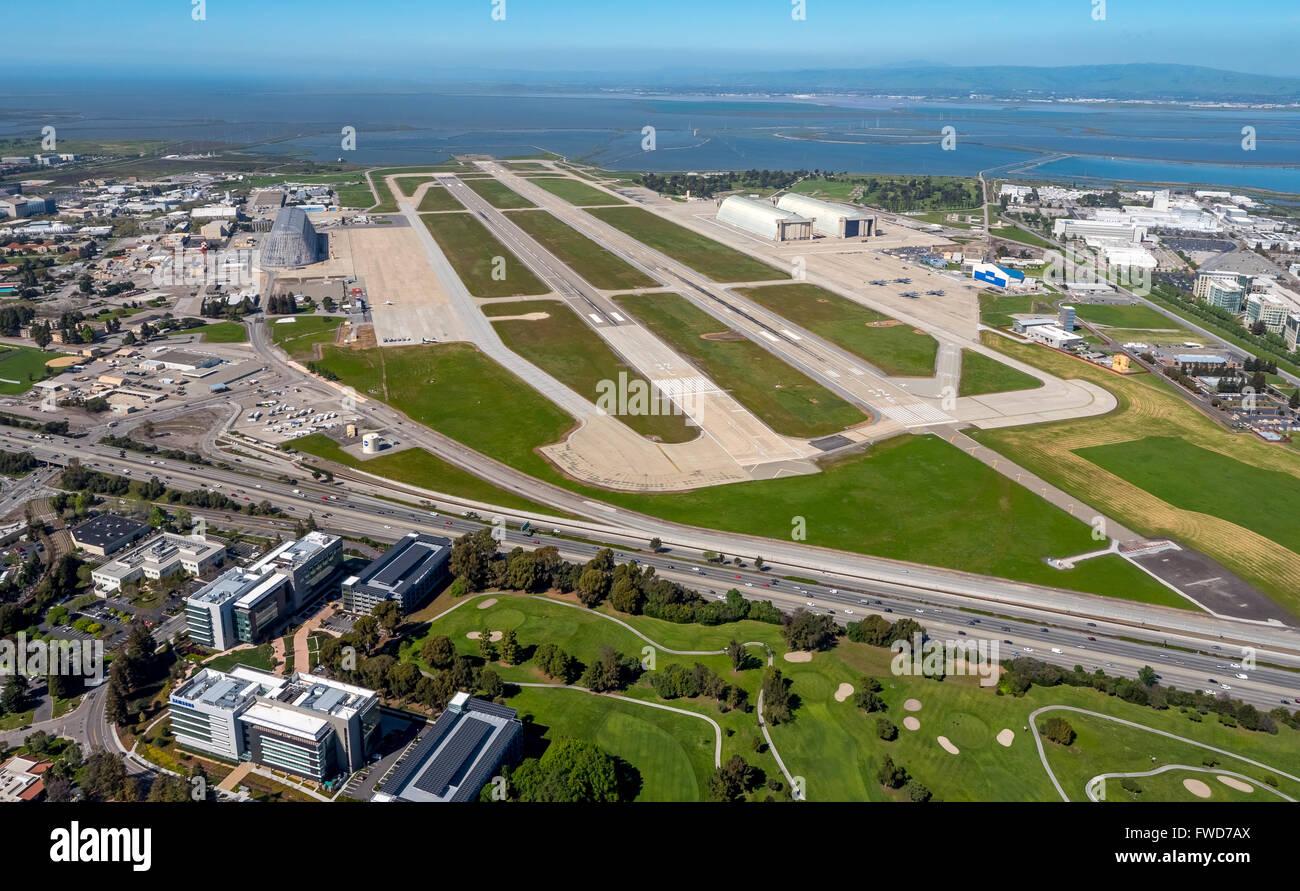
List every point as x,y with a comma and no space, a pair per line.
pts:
1066,318
1291,332
1225,294
158,558
406,574
1270,309
306,563
461,753
107,534
22,779
765,219
310,726
239,606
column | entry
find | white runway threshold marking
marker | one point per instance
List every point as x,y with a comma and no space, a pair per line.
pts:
790,334
594,317
616,317
918,414
770,336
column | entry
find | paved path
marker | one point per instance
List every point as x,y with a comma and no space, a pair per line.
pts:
1091,787
1042,755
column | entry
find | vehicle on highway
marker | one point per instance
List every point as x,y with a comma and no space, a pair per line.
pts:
1242,676
848,612
810,603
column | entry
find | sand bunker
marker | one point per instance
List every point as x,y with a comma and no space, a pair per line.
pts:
798,656
494,636
1006,737
948,746
844,692
912,705
1197,788
1234,783
486,603
911,723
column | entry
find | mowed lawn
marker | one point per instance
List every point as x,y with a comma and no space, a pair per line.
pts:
458,391
564,346
787,400
1149,407
299,337
473,251
575,192
423,469
438,198
224,332
1192,478
996,309
498,194
704,255
23,365
1135,317
895,349
674,754
602,268
981,375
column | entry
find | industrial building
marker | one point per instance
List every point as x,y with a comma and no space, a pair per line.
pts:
999,276
158,558
1022,325
767,220
830,219
310,726
459,755
1054,337
406,574
292,242
107,534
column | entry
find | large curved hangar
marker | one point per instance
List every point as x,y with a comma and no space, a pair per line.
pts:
292,242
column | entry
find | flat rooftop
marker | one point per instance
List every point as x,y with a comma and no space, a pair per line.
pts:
105,529
456,757
403,566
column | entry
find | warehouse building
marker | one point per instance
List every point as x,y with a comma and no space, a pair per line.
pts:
310,726
158,558
406,574
767,220
107,534
459,755
830,219
292,242
1052,336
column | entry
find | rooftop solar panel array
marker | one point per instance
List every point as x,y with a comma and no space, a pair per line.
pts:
415,759
456,757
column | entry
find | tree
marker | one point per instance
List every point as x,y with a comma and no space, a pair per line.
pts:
593,585
758,563
891,775
777,707
1058,730
886,729
1147,675
570,770
438,651
471,556
656,545
486,648
738,655
490,684
509,648
809,631
610,671
41,335
366,630
733,780
389,616
916,792
869,701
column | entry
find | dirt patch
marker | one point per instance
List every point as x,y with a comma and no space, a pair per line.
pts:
912,705
486,603
947,746
1234,783
1006,737
1197,788
844,692
723,335
919,331
492,636
887,323
798,656
365,339
910,723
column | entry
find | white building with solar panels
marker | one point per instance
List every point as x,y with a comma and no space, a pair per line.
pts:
459,755
830,219
293,242
310,726
765,219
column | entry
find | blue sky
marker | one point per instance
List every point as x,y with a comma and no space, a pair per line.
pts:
411,38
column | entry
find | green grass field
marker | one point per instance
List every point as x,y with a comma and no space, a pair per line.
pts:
386,202
600,267
784,398
24,365
1134,317
456,390
1015,233
704,255
358,196
409,184
910,498
437,198
498,194
564,346
1197,479
996,309
223,332
299,337
423,469
574,192
981,375
257,657
472,250
895,350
